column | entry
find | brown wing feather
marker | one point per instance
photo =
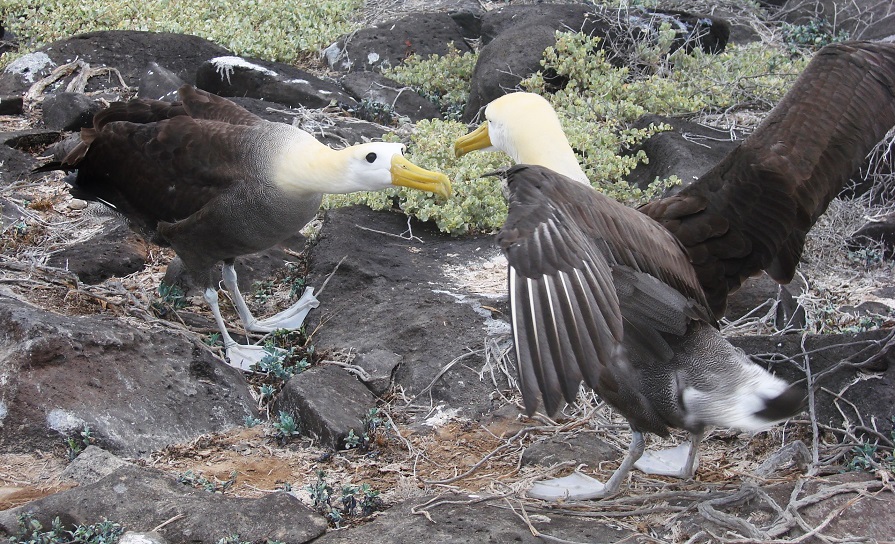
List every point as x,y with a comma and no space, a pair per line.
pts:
194,103
566,245
200,104
752,211
166,170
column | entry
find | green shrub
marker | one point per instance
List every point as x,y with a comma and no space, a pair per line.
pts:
270,29
812,35
442,79
31,531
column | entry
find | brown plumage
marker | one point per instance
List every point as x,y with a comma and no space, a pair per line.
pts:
753,210
214,182
602,294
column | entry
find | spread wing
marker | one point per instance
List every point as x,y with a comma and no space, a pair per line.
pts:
584,271
752,211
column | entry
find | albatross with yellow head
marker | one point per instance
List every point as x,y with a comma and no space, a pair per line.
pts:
214,181
626,301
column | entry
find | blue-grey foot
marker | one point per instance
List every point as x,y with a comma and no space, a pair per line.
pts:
578,486
291,318
678,462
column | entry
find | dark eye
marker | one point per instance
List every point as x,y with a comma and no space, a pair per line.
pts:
371,157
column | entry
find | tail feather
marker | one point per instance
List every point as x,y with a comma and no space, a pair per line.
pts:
751,399
67,153
783,406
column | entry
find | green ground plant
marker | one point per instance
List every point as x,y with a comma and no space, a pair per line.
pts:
32,531
76,444
443,79
286,427
273,29
355,501
811,35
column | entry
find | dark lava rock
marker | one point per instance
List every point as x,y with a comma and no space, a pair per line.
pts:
11,105
130,52
460,519
140,499
380,365
16,165
69,111
687,151
138,389
389,43
391,293
581,448
115,251
379,89
328,402
876,234
159,83
273,81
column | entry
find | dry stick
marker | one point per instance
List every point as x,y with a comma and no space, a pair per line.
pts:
535,533
826,493
170,521
331,274
708,511
391,422
423,509
442,372
401,236
362,374
812,409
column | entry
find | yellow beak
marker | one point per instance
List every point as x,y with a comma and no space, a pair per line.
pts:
407,174
477,139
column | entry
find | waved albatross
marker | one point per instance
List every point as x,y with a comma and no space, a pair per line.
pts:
214,181
603,294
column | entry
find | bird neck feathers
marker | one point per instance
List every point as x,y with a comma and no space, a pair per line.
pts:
537,138
303,166
553,152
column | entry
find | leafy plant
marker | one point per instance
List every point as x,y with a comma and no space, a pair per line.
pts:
264,30
171,298
31,531
375,112
286,427
251,421
812,35
443,79
372,422
76,444
277,363
212,339
354,501
869,456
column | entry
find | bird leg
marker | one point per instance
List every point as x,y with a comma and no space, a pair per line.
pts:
239,355
677,462
578,486
291,318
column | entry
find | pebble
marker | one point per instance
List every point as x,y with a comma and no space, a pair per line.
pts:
77,204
